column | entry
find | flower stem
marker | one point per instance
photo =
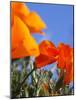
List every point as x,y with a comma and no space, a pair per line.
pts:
26,77
21,84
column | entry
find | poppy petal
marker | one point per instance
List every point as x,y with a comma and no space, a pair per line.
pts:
43,60
20,37
34,23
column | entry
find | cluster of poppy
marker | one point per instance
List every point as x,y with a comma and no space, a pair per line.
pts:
23,24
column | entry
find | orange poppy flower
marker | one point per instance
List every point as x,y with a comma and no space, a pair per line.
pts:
23,44
48,54
65,61
31,19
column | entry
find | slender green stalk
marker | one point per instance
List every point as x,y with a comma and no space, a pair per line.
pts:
21,84
26,77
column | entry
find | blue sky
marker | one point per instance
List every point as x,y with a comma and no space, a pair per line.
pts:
59,22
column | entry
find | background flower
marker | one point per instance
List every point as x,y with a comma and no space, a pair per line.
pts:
48,54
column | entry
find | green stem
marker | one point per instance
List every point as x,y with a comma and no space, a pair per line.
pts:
26,77
21,84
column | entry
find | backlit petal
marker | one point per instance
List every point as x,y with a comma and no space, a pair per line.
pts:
23,43
34,22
